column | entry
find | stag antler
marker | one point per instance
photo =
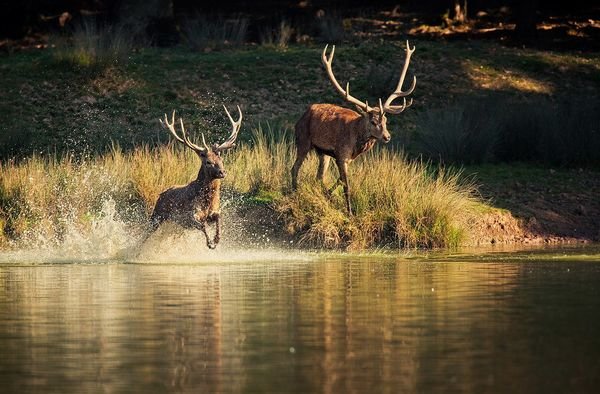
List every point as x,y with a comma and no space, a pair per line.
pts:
363,105
184,139
236,125
327,61
396,109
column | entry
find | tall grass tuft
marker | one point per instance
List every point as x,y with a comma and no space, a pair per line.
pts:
278,37
397,202
95,46
44,197
263,165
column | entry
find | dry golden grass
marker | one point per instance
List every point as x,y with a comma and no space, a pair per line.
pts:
397,202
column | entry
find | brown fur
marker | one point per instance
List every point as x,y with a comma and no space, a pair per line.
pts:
334,131
196,204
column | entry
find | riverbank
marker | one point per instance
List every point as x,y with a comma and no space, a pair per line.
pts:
551,205
69,115
47,201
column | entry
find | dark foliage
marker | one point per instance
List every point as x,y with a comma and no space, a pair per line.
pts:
499,129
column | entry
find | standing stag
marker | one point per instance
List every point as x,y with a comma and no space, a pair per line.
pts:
341,133
197,204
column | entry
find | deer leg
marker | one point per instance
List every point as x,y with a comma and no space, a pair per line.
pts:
343,167
202,227
215,218
301,153
323,165
155,221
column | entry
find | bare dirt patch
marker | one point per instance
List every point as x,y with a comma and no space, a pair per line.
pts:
548,205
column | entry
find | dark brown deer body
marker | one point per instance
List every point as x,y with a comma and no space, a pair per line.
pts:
197,204
194,205
344,134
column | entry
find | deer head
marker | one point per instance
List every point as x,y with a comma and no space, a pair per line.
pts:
212,162
374,117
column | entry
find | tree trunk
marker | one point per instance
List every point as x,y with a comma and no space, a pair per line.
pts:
460,11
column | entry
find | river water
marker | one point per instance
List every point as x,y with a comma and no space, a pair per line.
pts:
288,321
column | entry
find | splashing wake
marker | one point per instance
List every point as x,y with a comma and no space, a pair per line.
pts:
111,239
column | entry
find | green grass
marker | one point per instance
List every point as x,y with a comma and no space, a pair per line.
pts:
47,105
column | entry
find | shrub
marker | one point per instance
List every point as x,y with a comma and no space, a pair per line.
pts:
382,80
463,133
565,133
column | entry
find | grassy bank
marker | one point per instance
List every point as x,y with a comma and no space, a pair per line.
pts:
476,102
53,100
398,202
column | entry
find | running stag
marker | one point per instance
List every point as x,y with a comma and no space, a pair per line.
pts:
334,131
197,204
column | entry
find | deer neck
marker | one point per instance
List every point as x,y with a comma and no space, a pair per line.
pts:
364,139
203,183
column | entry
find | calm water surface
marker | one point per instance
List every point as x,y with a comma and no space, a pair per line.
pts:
496,322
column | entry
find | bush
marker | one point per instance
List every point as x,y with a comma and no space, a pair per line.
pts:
464,133
382,80
565,133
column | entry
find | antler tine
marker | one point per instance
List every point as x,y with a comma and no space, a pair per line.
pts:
188,142
396,109
204,141
184,139
171,127
236,126
327,62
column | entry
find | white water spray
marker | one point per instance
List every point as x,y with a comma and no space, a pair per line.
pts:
108,238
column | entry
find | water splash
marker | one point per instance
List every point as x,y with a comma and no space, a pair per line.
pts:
106,236
110,239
